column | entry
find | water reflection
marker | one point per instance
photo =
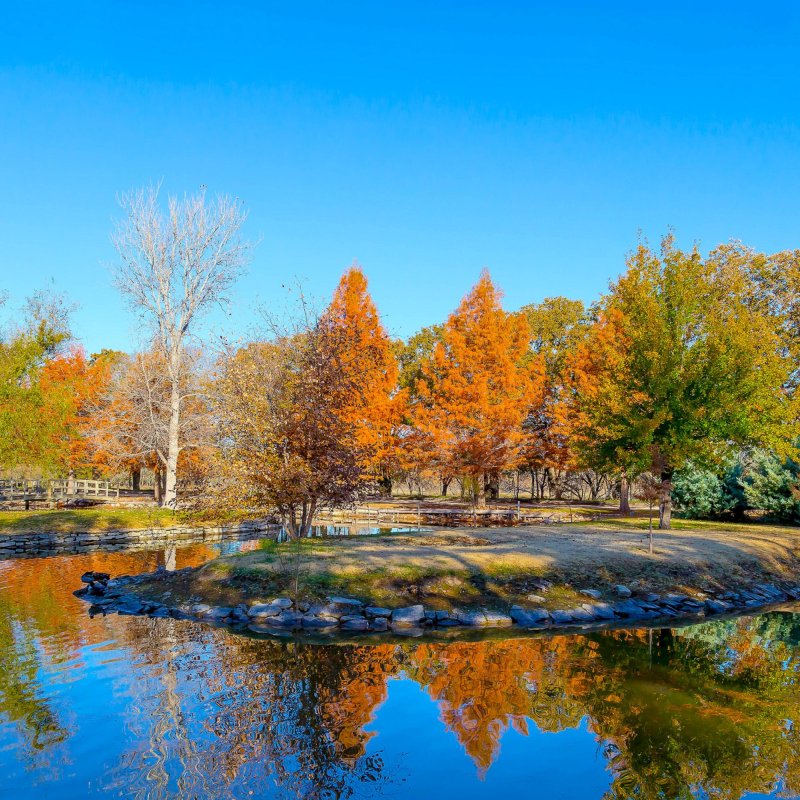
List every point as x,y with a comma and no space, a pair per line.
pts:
136,707
354,529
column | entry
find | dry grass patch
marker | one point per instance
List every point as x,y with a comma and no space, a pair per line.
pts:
495,567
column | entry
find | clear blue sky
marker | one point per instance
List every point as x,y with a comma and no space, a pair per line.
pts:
426,140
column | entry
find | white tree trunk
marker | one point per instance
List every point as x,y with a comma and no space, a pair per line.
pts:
173,447
174,268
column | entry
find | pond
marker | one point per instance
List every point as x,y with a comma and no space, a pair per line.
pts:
344,529
157,708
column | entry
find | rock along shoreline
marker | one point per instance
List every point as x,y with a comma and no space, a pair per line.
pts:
281,616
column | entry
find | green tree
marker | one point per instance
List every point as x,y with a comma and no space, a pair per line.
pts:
25,348
698,369
557,324
414,353
699,493
773,289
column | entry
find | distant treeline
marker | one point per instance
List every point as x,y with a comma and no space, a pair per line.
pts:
680,381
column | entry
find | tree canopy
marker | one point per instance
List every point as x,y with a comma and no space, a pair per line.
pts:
680,366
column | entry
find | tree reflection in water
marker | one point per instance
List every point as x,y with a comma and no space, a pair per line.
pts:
707,710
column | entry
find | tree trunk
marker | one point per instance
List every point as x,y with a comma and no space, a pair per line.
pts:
556,487
307,518
386,485
491,481
534,484
136,479
445,485
158,487
171,486
480,491
624,494
665,503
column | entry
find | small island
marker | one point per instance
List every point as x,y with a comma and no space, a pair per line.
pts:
457,580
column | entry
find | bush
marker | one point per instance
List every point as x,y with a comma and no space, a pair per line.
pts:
699,493
757,480
773,486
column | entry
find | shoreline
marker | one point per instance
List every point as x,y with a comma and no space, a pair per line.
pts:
534,578
338,617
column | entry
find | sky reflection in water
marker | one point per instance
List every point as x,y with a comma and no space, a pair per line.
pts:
133,707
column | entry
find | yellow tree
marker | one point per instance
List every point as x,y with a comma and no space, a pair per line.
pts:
477,388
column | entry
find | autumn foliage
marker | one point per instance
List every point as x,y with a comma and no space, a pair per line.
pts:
682,360
477,389
367,362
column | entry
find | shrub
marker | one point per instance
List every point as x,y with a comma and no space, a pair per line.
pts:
773,486
699,493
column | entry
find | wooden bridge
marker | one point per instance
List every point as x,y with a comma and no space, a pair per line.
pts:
65,490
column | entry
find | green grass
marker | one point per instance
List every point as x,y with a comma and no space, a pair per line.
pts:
90,519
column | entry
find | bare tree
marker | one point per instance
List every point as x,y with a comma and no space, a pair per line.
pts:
173,267
130,421
648,488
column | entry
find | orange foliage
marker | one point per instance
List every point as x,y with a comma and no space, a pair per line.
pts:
368,358
71,385
597,410
478,388
485,688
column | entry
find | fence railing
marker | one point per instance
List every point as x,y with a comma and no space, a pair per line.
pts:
22,487
68,488
74,487
440,516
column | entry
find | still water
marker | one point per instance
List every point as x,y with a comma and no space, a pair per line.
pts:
139,708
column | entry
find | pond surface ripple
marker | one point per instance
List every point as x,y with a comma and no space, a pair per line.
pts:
157,708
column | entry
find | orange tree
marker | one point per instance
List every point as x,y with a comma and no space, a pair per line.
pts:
366,357
477,388
604,435
557,326
71,385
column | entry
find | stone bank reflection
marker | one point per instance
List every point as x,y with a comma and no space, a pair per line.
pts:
189,711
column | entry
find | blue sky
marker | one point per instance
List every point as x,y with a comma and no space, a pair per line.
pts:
426,140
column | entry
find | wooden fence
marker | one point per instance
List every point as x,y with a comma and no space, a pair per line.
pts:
66,489
441,516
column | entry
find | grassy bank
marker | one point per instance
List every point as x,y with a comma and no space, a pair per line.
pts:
497,567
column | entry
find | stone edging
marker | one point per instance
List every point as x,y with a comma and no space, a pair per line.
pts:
343,614
11,543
